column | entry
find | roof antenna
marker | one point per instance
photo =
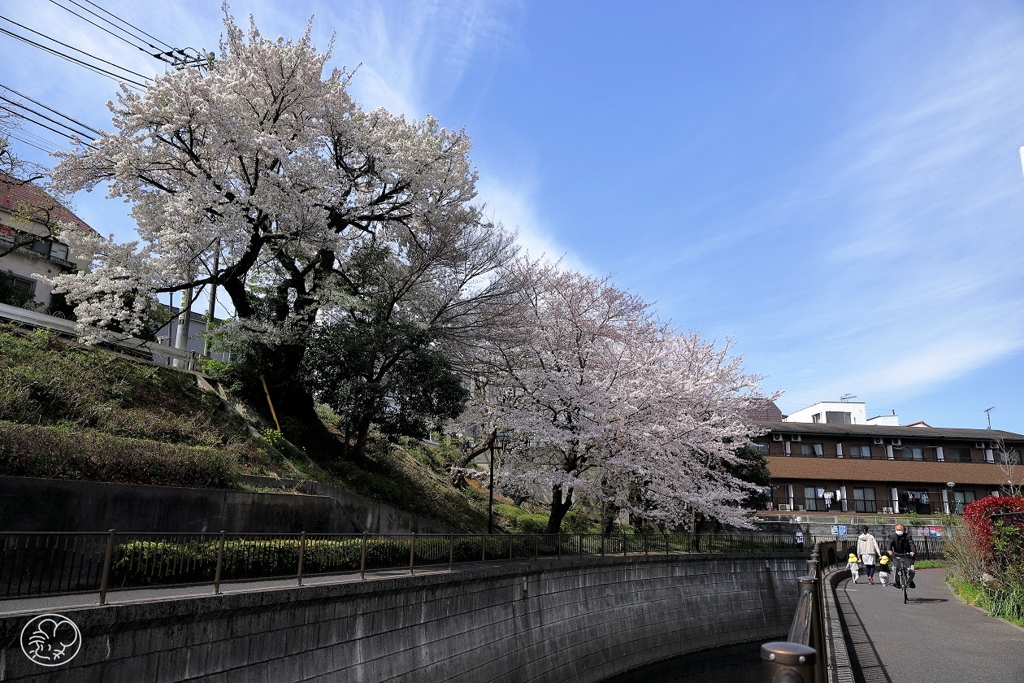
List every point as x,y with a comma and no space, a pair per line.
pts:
847,397
988,414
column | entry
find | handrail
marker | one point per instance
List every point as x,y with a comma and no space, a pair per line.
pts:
801,658
52,563
134,345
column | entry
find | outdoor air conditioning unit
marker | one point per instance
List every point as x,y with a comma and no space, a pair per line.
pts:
776,437
794,437
896,442
785,507
879,441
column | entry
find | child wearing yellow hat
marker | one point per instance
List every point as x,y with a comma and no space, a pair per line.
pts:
853,566
883,569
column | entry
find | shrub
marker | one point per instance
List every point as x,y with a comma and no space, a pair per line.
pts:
65,453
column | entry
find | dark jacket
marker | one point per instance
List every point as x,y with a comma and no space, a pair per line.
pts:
902,544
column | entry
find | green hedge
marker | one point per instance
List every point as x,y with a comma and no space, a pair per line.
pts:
66,453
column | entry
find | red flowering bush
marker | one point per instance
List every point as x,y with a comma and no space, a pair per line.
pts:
978,517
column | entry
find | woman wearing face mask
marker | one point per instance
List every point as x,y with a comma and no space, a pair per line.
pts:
901,542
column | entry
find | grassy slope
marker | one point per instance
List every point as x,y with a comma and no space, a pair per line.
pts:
72,412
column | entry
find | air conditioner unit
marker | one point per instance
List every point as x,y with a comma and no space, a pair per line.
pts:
776,437
896,442
794,437
879,441
785,507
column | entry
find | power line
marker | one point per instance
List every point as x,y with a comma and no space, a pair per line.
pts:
19,105
51,109
41,125
105,30
91,67
133,27
72,47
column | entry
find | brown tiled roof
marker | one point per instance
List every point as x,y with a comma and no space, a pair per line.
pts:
881,430
849,469
18,196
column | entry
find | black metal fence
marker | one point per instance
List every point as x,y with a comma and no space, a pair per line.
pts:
53,563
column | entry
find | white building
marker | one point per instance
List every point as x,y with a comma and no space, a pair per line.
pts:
841,413
27,247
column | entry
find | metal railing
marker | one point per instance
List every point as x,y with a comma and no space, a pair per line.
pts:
49,563
801,658
137,348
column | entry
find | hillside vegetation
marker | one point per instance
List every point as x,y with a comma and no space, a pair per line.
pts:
73,412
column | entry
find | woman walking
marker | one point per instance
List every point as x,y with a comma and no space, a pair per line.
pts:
868,551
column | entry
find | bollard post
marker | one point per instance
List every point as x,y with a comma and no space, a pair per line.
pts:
412,552
785,662
108,558
302,557
220,564
362,559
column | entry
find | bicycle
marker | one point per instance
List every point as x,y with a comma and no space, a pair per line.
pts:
901,571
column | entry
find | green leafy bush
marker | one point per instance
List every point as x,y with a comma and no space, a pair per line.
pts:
64,452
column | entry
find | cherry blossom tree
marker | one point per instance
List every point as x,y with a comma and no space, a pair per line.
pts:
264,178
604,401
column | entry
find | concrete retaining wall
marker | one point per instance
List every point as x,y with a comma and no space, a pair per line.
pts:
566,620
28,504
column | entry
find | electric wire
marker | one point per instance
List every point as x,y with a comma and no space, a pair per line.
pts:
130,25
91,67
72,47
34,112
41,125
157,55
92,130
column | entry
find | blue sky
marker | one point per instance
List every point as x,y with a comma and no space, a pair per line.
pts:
834,186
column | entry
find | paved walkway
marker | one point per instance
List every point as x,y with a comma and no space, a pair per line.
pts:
935,637
57,603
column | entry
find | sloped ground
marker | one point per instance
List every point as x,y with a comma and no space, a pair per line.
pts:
72,412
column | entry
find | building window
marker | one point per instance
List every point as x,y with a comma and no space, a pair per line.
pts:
761,448
864,500
815,450
913,453
814,498
958,454
1011,458
835,417
961,499
860,452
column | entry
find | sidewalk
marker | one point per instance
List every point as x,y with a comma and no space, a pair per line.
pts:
934,637
56,603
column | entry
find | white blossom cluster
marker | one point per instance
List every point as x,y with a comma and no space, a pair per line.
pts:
602,400
262,177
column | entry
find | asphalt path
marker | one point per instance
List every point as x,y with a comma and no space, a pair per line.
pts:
935,637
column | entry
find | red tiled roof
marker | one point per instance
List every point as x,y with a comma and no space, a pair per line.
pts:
849,469
18,196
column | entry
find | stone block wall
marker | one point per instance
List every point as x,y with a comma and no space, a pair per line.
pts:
553,620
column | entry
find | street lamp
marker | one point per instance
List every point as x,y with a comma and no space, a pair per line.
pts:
500,439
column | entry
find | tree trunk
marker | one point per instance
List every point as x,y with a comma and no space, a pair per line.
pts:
294,405
559,508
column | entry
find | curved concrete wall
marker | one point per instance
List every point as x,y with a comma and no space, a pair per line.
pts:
555,620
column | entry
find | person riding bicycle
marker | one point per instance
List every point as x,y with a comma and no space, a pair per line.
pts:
901,543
